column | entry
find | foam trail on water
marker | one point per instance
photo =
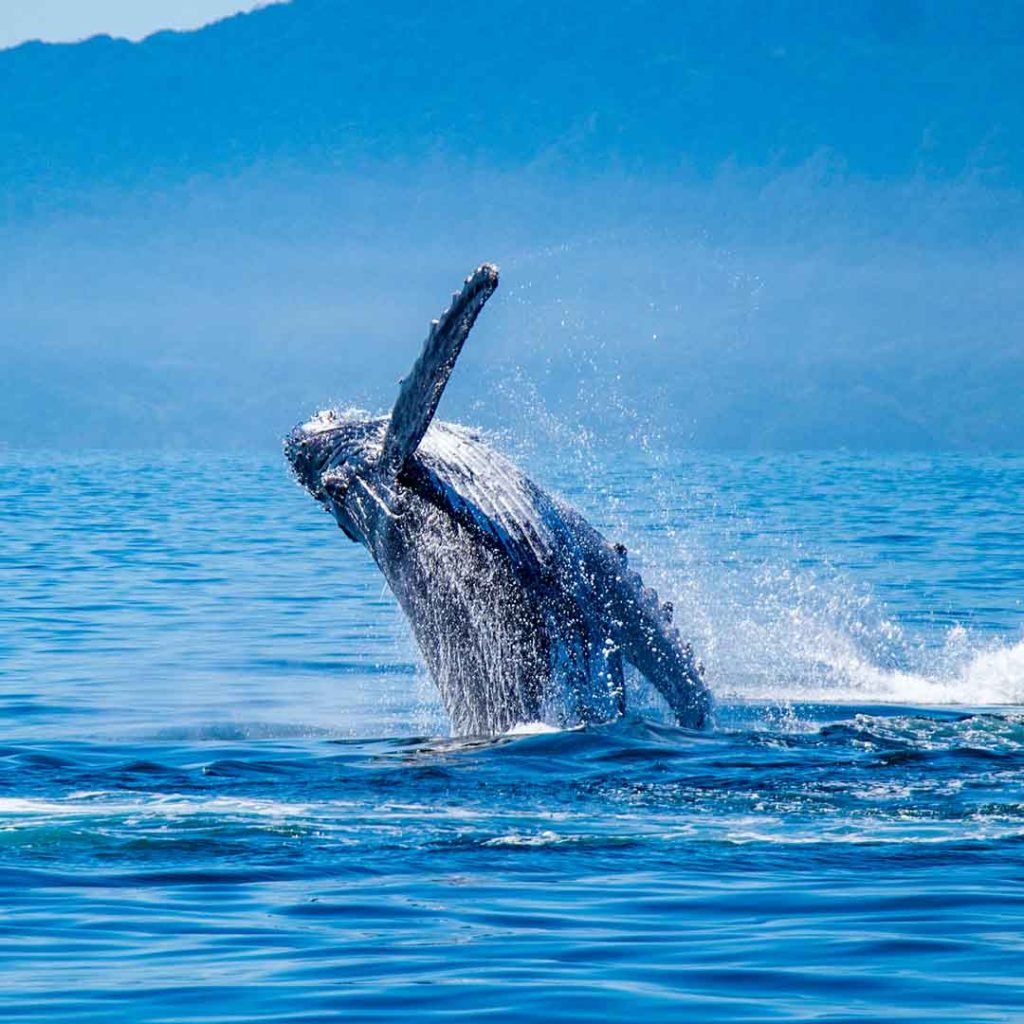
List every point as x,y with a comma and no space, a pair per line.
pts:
992,676
783,635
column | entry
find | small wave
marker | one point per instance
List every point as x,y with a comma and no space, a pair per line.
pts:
546,838
877,835
991,734
532,729
157,805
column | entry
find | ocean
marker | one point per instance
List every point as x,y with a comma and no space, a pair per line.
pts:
228,792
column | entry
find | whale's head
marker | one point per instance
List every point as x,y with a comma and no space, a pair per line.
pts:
333,446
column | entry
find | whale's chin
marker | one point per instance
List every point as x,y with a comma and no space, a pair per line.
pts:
307,456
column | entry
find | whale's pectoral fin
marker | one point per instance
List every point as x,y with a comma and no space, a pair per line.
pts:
668,664
421,390
653,646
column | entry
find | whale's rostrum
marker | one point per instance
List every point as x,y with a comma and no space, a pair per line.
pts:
521,609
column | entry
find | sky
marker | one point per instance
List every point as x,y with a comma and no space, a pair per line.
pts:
71,20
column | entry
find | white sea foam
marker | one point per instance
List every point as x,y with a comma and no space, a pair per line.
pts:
778,633
545,838
156,805
532,729
841,674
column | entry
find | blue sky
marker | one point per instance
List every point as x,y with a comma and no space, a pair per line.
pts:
71,20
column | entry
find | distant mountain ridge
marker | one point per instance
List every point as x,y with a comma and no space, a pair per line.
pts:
891,89
772,225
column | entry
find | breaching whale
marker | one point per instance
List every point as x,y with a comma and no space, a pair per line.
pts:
522,610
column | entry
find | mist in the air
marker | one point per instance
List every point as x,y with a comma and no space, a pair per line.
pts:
793,309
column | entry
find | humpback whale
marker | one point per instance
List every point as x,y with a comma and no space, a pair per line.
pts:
522,610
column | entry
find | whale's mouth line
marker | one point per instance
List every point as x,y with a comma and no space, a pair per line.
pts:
335,486
310,460
381,503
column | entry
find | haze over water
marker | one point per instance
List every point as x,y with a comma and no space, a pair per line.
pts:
228,793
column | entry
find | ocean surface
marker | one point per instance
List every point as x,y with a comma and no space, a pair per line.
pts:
228,793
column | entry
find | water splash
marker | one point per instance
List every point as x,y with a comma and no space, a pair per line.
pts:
779,613
782,634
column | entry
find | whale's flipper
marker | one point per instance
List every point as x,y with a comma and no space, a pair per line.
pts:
643,635
421,390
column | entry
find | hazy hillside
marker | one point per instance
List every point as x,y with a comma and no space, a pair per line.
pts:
740,224
892,87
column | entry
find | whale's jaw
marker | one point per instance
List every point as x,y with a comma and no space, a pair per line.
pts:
329,442
334,456
308,456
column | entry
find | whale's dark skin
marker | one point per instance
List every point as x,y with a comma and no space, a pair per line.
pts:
522,610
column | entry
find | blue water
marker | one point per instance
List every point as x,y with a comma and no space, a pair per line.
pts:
228,793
